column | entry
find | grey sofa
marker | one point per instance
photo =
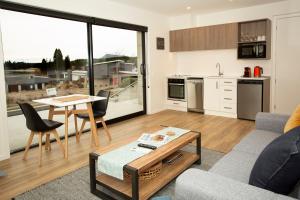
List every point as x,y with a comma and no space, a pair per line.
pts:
228,178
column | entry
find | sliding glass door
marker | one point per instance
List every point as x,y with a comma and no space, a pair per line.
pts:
118,67
72,54
40,53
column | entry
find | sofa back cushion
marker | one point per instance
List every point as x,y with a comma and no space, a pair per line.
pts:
277,167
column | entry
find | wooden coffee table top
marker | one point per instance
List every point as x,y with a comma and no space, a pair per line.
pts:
167,174
162,152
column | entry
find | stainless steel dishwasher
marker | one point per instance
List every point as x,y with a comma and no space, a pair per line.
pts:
195,94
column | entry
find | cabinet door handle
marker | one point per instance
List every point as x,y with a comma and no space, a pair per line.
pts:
228,108
175,103
227,90
217,85
227,82
228,98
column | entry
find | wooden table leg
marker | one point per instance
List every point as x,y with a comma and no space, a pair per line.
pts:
76,125
93,124
66,132
50,117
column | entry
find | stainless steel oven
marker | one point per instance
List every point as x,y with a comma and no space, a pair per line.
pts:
176,89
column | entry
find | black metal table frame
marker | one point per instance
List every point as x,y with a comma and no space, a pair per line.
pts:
93,157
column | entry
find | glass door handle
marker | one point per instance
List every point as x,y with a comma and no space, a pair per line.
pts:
142,68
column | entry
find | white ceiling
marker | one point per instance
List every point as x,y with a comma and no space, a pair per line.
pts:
178,7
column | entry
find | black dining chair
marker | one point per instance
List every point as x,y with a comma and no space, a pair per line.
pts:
39,126
99,111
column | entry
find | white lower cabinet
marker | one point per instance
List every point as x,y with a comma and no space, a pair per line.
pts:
220,96
176,105
211,94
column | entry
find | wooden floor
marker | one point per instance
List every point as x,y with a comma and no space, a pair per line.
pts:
218,133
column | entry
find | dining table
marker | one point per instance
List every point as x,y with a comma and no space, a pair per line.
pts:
56,103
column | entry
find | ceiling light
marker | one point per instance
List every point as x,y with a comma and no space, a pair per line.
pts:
188,7
230,0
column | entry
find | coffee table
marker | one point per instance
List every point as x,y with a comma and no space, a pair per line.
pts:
140,190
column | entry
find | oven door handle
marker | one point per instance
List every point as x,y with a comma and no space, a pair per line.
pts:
175,84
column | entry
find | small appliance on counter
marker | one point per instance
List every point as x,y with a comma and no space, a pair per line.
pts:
247,72
258,71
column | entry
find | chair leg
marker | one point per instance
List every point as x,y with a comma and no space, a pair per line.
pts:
40,147
80,131
28,145
106,129
48,144
58,141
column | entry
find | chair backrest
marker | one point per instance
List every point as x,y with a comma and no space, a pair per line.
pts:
101,105
33,120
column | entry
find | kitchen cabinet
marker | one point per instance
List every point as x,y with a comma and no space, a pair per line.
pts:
254,39
211,94
180,40
220,96
176,105
223,36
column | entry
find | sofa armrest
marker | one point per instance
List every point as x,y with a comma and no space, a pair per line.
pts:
202,185
271,122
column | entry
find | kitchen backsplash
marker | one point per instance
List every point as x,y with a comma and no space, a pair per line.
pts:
204,63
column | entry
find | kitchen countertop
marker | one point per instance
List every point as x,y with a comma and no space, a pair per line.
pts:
253,78
229,77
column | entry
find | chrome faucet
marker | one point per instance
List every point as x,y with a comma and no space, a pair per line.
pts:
218,65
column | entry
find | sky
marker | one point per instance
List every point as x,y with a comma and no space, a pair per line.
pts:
31,38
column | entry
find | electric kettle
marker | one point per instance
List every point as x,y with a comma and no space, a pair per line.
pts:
258,71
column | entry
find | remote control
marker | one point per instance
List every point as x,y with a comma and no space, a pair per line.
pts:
148,146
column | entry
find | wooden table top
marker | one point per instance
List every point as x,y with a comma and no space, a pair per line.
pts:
63,101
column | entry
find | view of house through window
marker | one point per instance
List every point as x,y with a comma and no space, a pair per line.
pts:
117,59
42,52
45,52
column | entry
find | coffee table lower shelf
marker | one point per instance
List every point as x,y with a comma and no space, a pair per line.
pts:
150,187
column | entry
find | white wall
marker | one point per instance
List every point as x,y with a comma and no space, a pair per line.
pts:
204,62
4,149
159,61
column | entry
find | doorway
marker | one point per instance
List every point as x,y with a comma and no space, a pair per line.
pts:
287,66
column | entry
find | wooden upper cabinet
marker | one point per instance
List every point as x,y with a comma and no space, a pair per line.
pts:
231,35
222,36
180,40
216,37
198,37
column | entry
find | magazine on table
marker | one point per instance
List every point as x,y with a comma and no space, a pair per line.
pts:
153,139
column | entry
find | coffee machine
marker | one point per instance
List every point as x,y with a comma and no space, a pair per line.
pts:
247,72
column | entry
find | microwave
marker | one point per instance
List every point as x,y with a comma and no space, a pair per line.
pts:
252,50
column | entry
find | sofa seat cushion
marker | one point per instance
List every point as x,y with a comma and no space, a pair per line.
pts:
236,165
256,141
202,185
296,191
277,167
